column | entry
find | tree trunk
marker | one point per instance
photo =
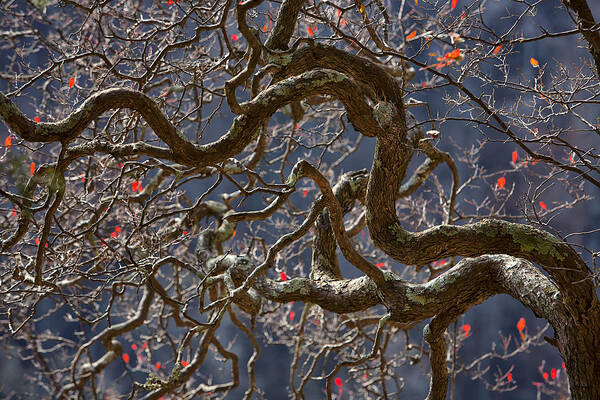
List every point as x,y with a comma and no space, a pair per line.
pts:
581,352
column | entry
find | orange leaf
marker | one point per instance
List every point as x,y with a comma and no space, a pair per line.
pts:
361,9
71,82
264,30
310,31
339,12
453,4
514,157
467,329
545,375
233,234
501,182
454,55
32,168
543,205
8,142
37,119
125,357
37,241
509,377
343,22
534,62
497,49
412,35
416,2
157,365
521,324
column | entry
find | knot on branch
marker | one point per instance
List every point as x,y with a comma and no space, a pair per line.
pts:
384,114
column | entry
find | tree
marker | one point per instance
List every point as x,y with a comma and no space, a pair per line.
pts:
190,167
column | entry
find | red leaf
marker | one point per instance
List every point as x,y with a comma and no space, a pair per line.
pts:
463,15
467,329
157,365
37,119
144,345
338,382
380,265
125,357
534,63
497,49
514,156
134,346
305,193
8,142
118,229
134,186
509,377
283,276
521,324
545,375
501,182
292,313
32,168
362,233
71,82
553,373
411,35
184,363
310,31
37,241
453,4
234,37
571,157
543,205
339,12
365,374
563,366
113,234
265,28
